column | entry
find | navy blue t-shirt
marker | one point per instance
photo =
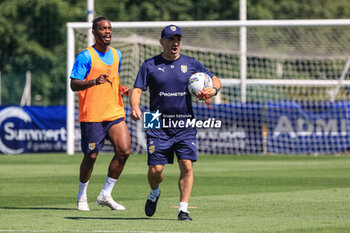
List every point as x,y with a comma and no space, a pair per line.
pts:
167,82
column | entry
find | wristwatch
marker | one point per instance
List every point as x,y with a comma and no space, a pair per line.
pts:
217,90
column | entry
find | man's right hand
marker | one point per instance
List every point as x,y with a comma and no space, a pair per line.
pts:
102,79
135,104
136,114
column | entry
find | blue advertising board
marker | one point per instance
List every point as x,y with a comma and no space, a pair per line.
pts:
43,129
308,127
240,132
32,129
291,128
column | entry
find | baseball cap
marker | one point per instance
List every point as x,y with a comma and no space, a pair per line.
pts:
171,30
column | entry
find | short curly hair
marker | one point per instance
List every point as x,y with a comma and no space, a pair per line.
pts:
95,22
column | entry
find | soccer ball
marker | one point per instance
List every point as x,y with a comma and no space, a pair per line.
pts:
198,82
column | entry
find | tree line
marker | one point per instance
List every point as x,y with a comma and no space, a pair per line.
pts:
33,32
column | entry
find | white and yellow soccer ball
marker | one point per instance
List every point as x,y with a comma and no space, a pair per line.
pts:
199,81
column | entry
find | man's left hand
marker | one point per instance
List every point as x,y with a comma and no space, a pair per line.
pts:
208,92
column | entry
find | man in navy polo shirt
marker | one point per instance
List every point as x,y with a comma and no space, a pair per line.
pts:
166,75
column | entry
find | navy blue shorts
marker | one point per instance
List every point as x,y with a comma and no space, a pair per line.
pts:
93,134
161,149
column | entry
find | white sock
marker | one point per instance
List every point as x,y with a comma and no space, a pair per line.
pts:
108,186
155,192
82,190
183,207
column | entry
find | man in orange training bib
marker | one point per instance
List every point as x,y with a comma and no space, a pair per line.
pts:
95,76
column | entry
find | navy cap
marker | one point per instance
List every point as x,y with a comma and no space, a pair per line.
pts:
171,30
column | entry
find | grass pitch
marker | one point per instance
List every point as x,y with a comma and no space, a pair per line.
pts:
260,194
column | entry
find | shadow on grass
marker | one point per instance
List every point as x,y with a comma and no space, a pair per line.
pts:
104,218
35,208
82,218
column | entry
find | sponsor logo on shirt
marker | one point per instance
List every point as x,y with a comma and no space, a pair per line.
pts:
172,93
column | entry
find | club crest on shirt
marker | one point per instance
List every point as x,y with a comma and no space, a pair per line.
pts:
183,68
92,146
151,149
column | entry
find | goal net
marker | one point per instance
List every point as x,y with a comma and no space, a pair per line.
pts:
285,83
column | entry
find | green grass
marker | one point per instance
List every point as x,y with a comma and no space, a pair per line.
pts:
260,194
